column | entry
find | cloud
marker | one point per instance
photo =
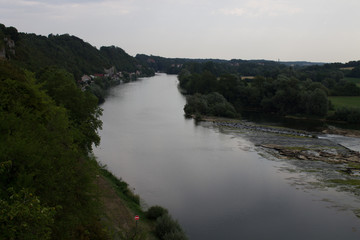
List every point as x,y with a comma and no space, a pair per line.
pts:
261,8
67,8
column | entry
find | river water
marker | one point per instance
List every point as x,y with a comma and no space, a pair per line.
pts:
214,183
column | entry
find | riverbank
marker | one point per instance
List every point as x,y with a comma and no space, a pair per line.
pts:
120,206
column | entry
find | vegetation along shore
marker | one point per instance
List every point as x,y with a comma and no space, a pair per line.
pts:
51,186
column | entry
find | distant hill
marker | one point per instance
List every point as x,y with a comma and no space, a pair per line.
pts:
35,52
302,63
174,65
221,66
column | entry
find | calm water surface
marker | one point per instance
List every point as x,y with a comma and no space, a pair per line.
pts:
215,184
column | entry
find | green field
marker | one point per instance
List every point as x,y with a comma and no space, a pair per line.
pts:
350,102
353,80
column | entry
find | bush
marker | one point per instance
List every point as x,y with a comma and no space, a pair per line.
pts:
23,216
167,228
350,115
155,212
196,104
175,236
213,104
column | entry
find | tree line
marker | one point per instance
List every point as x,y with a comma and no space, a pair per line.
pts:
48,127
281,90
47,130
71,53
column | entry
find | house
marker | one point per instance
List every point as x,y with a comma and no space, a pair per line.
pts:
86,79
110,72
99,75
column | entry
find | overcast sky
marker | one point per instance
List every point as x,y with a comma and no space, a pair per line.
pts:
312,30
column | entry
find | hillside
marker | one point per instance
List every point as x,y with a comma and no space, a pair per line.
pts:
35,52
51,186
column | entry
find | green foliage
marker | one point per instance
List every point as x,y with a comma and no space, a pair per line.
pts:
353,80
40,151
22,216
345,101
355,72
213,104
155,212
98,92
71,53
354,182
345,88
63,51
82,107
160,64
176,235
121,187
119,58
315,102
350,115
167,228
134,233
283,95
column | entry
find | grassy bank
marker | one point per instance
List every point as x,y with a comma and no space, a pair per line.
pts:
121,206
344,101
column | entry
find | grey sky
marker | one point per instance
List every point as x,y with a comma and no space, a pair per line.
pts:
313,30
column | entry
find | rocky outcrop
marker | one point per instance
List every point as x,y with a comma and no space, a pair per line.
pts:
343,132
325,155
7,49
266,129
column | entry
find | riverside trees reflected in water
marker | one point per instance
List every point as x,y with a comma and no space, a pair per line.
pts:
214,183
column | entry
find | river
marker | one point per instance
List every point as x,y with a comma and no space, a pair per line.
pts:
216,184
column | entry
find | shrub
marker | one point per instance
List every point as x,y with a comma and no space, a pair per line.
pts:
155,212
167,228
213,104
350,115
175,236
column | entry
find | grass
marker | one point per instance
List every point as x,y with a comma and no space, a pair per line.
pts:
354,165
352,182
131,202
353,80
344,101
297,148
122,188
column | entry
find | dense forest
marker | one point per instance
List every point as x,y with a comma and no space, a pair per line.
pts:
301,89
271,87
71,53
49,124
47,132
48,127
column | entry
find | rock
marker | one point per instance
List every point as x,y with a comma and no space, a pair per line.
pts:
311,153
302,157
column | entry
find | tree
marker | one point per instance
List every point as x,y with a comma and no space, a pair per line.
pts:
227,86
39,155
82,107
13,33
22,216
318,103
